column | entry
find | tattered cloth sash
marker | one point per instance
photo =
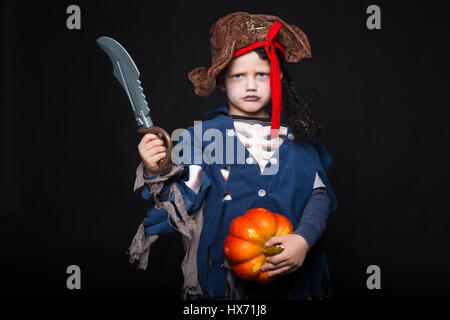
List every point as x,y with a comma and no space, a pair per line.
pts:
188,225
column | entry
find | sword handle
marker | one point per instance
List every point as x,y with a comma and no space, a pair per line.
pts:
165,164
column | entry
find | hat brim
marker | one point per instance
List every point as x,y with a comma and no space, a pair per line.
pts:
226,37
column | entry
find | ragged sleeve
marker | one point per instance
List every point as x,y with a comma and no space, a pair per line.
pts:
191,180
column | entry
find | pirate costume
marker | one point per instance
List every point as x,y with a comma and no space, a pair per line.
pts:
200,200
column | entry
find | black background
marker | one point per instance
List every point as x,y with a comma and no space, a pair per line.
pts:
69,143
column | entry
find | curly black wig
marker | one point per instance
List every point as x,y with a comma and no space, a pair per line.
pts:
295,109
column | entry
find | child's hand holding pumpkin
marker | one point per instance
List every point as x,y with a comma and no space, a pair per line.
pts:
292,257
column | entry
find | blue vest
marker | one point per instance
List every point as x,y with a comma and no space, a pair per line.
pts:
286,192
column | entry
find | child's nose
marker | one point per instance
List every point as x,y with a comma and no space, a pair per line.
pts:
251,84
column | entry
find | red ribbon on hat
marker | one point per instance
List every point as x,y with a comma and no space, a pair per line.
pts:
275,82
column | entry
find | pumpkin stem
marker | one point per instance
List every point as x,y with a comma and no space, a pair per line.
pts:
272,250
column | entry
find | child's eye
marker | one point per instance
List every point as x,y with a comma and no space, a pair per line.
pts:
237,76
262,74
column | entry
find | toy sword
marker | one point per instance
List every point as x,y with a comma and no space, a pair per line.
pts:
128,75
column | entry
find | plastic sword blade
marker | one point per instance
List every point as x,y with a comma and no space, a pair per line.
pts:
128,75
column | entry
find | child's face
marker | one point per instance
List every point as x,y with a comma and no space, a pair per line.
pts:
247,75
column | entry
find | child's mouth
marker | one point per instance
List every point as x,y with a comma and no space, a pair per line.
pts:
251,98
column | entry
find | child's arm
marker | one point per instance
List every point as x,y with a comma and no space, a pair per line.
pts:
190,181
181,189
315,216
298,243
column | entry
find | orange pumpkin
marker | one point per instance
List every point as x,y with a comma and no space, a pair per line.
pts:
245,247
